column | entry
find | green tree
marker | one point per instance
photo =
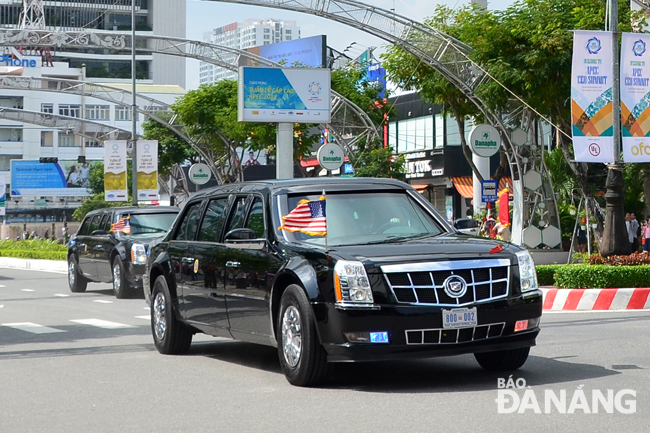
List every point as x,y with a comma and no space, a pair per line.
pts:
375,160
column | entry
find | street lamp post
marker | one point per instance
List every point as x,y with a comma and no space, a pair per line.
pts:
615,238
134,140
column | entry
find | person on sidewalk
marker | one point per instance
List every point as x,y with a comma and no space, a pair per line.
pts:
634,229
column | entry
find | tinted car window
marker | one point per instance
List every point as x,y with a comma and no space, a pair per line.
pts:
106,222
151,222
256,218
189,224
94,224
237,215
370,217
466,224
213,221
84,229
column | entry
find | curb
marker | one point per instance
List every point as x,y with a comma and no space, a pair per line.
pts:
58,266
596,299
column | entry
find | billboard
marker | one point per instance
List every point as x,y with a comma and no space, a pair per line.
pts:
375,74
283,95
64,178
115,171
306,52
147,168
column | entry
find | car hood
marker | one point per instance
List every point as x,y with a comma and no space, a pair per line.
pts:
435,248
144,238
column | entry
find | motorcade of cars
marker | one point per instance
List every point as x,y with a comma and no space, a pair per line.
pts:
391,279
111,244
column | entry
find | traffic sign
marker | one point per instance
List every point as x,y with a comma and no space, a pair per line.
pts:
488,191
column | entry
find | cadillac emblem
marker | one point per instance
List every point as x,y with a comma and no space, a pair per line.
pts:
455,286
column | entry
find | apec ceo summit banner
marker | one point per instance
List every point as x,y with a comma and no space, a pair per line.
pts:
591,97
284,95
635,97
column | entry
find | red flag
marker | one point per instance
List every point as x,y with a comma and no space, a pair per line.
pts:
504,208
308,217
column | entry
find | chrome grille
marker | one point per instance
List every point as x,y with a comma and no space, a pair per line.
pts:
422,283
453,336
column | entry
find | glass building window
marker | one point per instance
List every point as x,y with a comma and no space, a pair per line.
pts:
122,112
70,110
47,108
97,112
440,131
67,140
392,136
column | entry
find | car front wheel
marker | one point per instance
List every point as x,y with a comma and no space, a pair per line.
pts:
120,283
503,360
76,282
169,335
303,359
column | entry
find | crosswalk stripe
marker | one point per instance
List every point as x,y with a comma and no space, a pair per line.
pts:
143,317
102,323
61,295
102,301
34,328
27,290
2,285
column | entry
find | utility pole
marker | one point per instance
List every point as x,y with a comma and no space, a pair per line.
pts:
134,114
615,238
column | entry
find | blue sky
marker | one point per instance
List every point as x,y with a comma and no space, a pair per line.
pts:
203,16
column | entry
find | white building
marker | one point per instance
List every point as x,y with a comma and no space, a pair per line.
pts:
250,33
153,17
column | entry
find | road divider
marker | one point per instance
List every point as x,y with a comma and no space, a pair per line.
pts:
596,299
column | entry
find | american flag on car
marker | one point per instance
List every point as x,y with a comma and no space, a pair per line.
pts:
308,217
122,225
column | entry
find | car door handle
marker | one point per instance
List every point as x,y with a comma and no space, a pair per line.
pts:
188,259
232,264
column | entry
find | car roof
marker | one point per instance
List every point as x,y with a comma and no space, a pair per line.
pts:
137,209
298,185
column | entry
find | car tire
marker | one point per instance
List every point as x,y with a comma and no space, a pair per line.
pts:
76,281
120,283
302,357
503,360
170,336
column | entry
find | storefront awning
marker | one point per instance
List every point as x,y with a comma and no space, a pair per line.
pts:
465,185
421,188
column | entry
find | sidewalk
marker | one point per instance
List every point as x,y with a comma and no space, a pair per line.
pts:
58,266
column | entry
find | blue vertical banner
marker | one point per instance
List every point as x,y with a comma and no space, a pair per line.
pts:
591,96
3,201
635,97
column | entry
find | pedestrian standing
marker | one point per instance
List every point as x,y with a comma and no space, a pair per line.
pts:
646,235
634,228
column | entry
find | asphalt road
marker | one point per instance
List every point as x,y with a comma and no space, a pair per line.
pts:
86,363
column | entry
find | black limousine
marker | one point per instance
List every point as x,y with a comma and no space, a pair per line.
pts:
390,279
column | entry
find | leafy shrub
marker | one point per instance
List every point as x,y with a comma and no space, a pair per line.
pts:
546,273
34,254
43,249
601,276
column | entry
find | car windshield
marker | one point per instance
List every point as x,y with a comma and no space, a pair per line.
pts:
371,217
150,223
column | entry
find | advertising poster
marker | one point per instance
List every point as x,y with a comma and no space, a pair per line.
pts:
3,184
635,97
284,95
304,52
31,178
115,171
591,97
147,155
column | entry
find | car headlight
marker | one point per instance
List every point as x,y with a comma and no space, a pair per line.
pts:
138,254
351,283
527,273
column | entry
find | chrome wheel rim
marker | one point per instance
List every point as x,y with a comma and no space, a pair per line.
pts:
291,336
159,319
71,273
117,281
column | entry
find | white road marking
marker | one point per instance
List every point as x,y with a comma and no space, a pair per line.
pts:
2,285
34,328
27,290
143,317
61,295
103,301
1,306
102,323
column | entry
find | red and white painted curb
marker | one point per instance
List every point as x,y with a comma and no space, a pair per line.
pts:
596,299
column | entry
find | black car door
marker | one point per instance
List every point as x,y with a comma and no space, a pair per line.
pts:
81,245
104,242
180,255
249,273
203,292
88,254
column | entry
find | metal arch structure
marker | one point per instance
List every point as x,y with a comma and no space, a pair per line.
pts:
451,59
92,130
349,125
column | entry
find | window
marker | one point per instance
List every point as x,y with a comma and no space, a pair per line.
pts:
11,134
237,214
97,112
189,224
47,139
66,139
266,37
106,222
392,135
288,32
122,112
5,161
440,131
11,102
267,30
255,220
287,38
83,230
47,108
70,110
94,224
213,221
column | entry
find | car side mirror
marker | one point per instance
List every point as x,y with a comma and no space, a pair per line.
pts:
244,238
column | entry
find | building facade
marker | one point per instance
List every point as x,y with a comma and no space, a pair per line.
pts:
240,36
